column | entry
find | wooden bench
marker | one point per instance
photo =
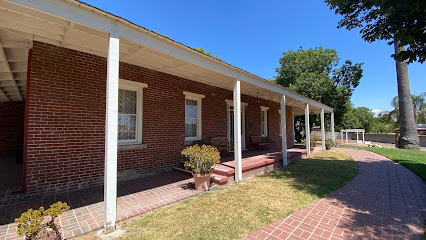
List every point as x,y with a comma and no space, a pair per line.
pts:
221,143
258,142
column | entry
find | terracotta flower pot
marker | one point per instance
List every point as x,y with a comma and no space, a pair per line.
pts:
202,181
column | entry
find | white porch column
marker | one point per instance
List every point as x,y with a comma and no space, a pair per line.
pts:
283,131
307,131
322,129
111,126
347,137
237,131
341,131
332,128
357,136
363,139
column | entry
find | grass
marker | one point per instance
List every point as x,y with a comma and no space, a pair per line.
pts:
415,160
235,210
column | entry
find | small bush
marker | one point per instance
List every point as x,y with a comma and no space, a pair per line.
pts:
40,224
314,140
201,159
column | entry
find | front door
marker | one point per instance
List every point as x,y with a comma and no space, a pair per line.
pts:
231,126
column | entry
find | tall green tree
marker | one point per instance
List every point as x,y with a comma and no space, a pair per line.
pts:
419,107
315,73
358,118
401,23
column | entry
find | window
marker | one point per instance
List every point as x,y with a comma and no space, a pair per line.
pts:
264,121
130,112
193,116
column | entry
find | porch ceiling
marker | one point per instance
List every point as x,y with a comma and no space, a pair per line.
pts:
20,25
13,65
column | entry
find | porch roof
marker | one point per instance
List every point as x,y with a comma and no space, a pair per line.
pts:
80,26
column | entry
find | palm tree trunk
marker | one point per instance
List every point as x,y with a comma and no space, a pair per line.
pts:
408,137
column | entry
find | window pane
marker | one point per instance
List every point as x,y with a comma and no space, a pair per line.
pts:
126,127
262,128
262,116
191,109
127,101
190,127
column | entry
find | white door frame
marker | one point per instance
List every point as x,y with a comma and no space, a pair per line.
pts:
229,104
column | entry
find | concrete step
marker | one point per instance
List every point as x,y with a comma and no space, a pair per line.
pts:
218,179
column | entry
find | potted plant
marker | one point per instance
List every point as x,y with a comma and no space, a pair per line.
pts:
329,144
201,161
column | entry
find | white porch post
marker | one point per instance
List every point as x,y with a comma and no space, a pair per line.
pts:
342,133
347,137
322,129
111,125
307,131
237,131
283,131
357,136
332,128
363,139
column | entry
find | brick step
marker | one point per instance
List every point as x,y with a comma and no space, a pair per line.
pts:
219,169
218,179
223,170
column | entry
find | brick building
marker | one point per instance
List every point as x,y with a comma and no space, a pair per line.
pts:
92,98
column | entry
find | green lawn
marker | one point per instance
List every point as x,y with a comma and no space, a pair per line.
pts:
415,160
235,210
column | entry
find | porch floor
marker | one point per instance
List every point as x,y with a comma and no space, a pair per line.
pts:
135,197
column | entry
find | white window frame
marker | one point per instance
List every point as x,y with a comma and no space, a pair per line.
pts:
264,109
138,88
198,98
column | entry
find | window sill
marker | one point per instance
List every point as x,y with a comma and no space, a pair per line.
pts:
132,147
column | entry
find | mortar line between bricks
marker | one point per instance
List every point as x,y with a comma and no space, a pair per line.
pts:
417,200
334,229
356,219
375,208
303,219
390,198
320,220
10,219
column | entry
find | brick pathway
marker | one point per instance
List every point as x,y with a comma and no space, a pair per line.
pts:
385,201
136,197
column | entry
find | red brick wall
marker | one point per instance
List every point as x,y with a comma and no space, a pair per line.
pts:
67,120
11,126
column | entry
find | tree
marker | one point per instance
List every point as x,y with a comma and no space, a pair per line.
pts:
358,118
402,23
201,50
314,73
419,107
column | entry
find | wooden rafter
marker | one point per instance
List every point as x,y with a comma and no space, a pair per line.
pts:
3,55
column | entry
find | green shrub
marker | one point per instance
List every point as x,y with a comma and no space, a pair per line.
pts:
314,140
201,159
40,224
330,143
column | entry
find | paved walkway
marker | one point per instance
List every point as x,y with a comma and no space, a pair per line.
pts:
385,201
135,197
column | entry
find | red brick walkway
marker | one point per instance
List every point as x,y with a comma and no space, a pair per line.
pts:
385,201
135,197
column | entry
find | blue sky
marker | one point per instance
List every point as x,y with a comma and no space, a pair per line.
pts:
253,35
